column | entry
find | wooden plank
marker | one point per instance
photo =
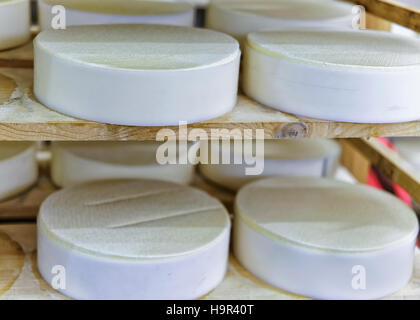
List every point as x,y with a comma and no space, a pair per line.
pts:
20,57
22,117
393,11
20,279
390,164
355,162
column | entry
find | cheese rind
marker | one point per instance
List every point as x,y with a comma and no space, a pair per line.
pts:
282,157
238,18
14,23
196,69
18,167
121,234
326,228
87,12
79,162
353,67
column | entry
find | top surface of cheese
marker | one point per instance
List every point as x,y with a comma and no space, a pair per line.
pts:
10,149
140,47
126,7
133,219
6,2
115,152
326,214
287,9
348,49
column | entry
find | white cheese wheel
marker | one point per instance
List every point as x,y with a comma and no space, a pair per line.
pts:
14,23
240,17
409,149
18,167
282,157
88,12
165,74
78,162
138,239
351,76
323,238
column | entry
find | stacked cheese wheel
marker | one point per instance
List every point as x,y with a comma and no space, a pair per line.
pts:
352,76
58,13
14,23
18,167
165,74
78,162
138,239
239,17
323,238
258,159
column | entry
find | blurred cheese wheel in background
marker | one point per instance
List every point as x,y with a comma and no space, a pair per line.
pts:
409,149
14,23
140,75
78,162
86,12
240,17
350,76
137,239
18,167
323,238
281,157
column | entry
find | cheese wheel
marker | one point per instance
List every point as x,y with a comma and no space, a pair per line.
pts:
138,239
78,162
18,167
282,157
323,238
239,17
88,12
409,149
350,76
165,74
14,23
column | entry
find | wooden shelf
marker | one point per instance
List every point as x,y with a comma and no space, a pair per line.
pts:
23,118
20,57
394,11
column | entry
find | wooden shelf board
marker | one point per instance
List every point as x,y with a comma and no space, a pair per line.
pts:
394,11
20,57
23,118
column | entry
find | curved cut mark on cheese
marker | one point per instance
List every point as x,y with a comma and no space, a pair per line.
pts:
7,87
128,197
326,214
12,260
126,7
363,49
140,47
165,224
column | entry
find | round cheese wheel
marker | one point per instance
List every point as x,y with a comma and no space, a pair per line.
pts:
323,238
165,74
138,239
240,17
78,162
282,157
409,149
14,23
87,12
351,76
18,167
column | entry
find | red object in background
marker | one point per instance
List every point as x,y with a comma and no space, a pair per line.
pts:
376,180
